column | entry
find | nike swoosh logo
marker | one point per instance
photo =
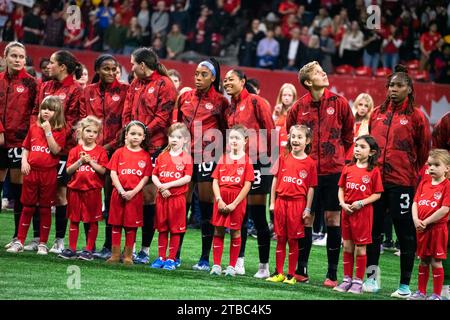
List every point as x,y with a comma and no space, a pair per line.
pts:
25,225
72,229
236,245
363,239
136,88
222,170
233,224
422,194
379,118
256,187
115,232
137,222
216,247
439,254
283,170
16,160
33,140
91,99
45,227
304,113
47,93
403,212
163,165
121,163
205,175
182,228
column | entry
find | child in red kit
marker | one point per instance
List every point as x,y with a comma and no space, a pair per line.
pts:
130,170
86,166
171,175
430,215
233,178
44,141
359,186
295,176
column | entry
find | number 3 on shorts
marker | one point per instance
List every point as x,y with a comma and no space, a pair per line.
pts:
404,203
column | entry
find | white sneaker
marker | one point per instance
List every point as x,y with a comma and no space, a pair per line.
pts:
263,271
32,246
240,268
9,244
16,247
397,253
216,270
58,246
230,272
322,242
42,249
5,203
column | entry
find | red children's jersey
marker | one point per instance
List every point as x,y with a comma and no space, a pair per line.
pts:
17,99
294,176
404,142
441,133
106,104
69,91
86,178
151,101
331,121
131,166
170,168
359,184
232,174
430,41
39,155
430,198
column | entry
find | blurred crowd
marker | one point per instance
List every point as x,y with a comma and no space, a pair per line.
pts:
269,34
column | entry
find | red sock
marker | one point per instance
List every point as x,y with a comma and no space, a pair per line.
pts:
280,253
46,223
293,256
116,236
130,237
73,235
163,239
235,247
438,280
173,245
349,261
424,274
92,236
24,223
218,249
361,262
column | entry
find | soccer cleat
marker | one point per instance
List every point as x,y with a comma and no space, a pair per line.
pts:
263,271
9,244
371,286
169,264
290,279
276,277
418,296
239,267
397,253
68,254
230,272
321,242
344,286
86,255
356,287
157,263
5,203
104,254
330,283
301,278
58,246
202,265
141,258
42,250
388,245
178,262
32,246
216,270
434,296
15,247
402,292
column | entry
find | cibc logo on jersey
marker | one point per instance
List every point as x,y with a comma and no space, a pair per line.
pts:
428,203
86,168
170,174
40,149
131,171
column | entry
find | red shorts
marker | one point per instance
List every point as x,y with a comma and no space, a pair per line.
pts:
232,220
39,188
288,218
170,214
126,213
357,226
433,242
84,205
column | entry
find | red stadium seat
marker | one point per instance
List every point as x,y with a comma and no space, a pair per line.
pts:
413,64
344,69
363,71
383,72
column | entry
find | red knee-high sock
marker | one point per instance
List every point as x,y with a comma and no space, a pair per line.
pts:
424,274
349,261
173,245
46,223
116,236
361,262
438,280
130,237
293,256
218,249
92,235
74,229
24,223
163,239
280,253
235,247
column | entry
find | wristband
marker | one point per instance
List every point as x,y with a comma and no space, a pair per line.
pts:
361,204
80,163
308,210
48,134
218,199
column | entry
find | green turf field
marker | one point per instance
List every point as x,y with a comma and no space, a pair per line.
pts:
29,276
